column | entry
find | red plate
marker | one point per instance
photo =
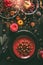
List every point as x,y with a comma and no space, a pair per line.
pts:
23,47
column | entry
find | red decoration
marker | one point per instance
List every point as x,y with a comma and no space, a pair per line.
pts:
41,53
7,3
14,27
23,47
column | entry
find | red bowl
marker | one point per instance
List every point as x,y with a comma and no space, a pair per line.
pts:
23,47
